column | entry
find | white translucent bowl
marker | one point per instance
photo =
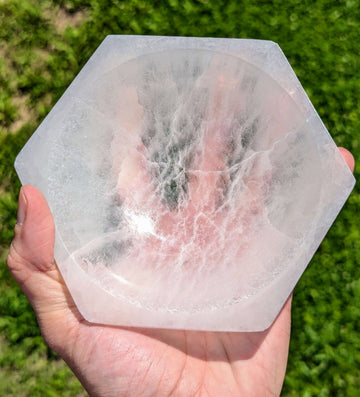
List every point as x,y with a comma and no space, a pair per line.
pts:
190,179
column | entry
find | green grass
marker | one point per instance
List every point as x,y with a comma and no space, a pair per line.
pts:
43,44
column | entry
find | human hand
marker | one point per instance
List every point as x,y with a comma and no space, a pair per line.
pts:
120,361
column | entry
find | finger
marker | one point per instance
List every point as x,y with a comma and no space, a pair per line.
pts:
348,157
31,255
34,231
31,262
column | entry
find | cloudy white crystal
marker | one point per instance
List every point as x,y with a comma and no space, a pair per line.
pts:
190,179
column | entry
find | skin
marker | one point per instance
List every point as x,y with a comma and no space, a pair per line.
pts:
118,361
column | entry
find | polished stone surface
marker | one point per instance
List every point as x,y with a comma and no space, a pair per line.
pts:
191,182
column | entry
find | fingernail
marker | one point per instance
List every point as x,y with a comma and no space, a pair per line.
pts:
21,208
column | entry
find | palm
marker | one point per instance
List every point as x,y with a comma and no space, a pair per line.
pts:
141,362
186,363
147,362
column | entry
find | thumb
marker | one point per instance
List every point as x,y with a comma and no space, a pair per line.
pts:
31,256
31,262
33,242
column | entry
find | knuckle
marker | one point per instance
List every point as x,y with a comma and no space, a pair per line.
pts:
14,259
16,263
